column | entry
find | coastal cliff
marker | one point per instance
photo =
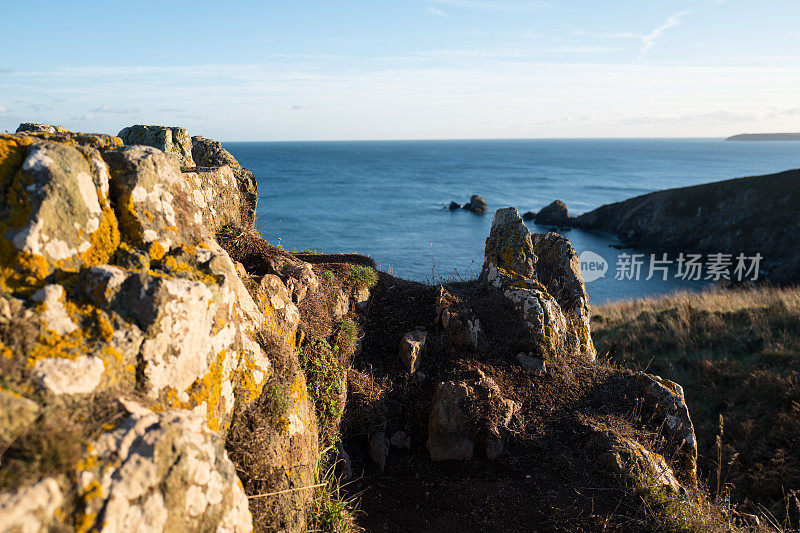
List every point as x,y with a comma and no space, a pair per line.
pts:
166,369
750,215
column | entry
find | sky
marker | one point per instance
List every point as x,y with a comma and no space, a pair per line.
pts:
405,69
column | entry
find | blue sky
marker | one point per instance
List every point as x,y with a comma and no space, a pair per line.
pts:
383,69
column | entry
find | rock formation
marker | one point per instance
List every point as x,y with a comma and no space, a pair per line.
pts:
554,214
740,216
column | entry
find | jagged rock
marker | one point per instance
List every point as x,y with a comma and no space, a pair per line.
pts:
31,508
379,449
547,291
509,250
16,413
210,153
40,128
528,215
666,400
558,269
531,364
160,472
554,214
171,140
476,204
341,305
467,412
411,345
625,456
453,206
298,275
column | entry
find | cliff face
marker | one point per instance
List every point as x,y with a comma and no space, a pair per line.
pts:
163,368
746,215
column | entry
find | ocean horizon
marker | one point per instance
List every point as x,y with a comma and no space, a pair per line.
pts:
388,199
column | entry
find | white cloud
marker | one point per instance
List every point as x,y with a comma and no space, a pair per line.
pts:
527,5
3,110
713,117
650,40
298,107
436,11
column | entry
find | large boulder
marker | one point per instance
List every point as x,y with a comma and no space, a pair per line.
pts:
554,214
171,140
466,413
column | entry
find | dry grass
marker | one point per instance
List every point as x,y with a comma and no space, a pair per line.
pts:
737,354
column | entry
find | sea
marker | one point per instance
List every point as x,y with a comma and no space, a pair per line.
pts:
389,199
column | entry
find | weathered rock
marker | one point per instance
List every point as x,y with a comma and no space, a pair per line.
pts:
528,215
453,206
210,153
160,472
531,364
558,269
65,376
36,128
31,508
361,297
16,413
547,291
171,140
411,345
554,214
344,466
666,401
280,312
466,413
625,456
59,217
509,250
476,204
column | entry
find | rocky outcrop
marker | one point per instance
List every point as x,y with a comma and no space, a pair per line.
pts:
113,287
554,214
210,153
172,140
753,215
541,277
32,127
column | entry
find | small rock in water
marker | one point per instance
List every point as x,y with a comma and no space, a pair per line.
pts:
454,205
528,215
476,204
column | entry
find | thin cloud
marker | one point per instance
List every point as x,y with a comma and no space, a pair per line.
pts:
298,107
3,110
436,11
715,117
496,6
111,110
650,40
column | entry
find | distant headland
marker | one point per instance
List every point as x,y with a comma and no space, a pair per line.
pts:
765,137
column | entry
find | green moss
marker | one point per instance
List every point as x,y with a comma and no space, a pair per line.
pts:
327,276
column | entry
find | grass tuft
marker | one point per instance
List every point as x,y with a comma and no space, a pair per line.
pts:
333,512
363,276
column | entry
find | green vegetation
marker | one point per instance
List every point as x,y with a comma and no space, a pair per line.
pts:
363,276
346,335
309,251
333,512
736,354
325,378
327,276
277,400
